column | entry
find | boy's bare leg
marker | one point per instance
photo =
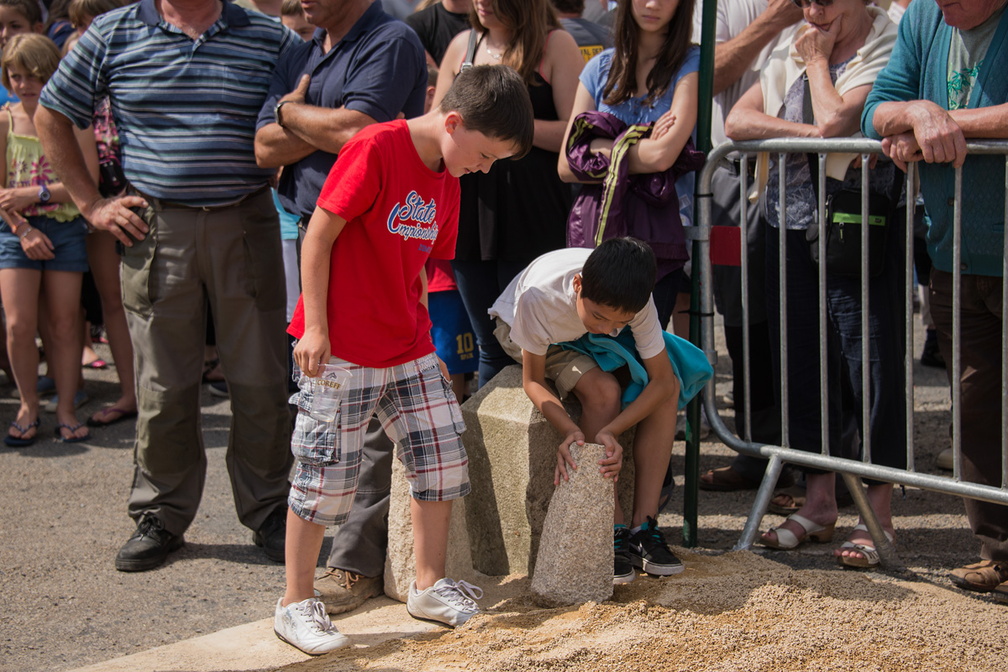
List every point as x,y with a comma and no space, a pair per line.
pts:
652,451
303,544
430,540
599,393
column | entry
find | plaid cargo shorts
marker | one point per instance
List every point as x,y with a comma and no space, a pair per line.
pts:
419,413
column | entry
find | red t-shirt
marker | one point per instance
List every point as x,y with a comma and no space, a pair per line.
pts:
440,276
399,213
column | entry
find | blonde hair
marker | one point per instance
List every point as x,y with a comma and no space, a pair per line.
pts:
35,53
291,8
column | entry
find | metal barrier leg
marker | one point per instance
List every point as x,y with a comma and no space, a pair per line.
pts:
759,507
887,552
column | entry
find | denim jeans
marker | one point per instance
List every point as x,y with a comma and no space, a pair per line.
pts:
842,350
480,283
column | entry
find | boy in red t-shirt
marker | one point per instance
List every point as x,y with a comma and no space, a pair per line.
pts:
390,202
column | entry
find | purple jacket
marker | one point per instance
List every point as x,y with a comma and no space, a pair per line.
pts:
614,203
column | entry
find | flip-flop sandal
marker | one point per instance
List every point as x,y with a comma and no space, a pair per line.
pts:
870,553
120,415
72,429
96,364
786,539
22,441
212,372
797,495
726,479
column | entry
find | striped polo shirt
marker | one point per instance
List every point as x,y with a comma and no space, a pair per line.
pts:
186,109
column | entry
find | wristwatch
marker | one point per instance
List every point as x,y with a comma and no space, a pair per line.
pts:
43,194
276,113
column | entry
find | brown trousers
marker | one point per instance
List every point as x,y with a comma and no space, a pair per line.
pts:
231,257
980,349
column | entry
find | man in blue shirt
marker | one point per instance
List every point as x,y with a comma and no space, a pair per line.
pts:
186,80
360,68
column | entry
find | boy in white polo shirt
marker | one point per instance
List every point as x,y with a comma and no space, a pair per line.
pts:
560,297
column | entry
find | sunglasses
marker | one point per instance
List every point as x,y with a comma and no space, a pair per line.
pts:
804,4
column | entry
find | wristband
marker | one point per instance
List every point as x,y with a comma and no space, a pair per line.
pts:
277,117
28,229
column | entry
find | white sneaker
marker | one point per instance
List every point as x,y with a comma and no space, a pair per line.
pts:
306,626
447,602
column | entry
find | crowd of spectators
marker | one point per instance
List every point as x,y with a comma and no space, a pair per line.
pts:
160,160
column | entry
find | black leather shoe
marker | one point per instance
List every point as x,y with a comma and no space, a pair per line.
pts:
148,547
272,535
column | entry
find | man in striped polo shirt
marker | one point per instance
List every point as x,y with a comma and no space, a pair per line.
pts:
186,80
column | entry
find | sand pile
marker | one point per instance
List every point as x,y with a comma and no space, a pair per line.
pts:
736,611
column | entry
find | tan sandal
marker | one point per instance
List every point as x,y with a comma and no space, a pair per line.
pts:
983,576
786,539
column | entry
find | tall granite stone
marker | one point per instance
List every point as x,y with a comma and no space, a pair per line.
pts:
574,563
400,567
512,454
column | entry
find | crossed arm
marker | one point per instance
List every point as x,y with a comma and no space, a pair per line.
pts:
306,129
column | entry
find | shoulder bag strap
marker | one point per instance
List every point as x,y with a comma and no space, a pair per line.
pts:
474,39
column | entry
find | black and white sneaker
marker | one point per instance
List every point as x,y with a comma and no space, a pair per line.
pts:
623,569
650,553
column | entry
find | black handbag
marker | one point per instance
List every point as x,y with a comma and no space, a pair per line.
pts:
843,222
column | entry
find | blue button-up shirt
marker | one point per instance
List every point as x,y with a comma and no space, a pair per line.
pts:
378,68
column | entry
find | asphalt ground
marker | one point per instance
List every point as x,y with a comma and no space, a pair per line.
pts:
64,519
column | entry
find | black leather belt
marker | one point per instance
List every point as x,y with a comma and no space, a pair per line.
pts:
162,204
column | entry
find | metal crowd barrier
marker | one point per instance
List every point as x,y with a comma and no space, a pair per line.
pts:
851,469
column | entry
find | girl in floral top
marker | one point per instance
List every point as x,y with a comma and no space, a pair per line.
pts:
42,251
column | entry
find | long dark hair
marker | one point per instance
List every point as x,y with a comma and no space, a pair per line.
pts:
621,85
530,22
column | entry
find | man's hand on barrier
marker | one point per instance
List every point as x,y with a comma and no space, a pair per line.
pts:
564,458
610,465
902,149
939,137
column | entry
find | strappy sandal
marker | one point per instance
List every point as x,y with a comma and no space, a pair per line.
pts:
786,539
870,553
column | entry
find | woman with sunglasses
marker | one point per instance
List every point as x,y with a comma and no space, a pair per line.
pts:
815,86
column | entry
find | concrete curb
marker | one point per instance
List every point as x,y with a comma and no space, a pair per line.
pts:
254,647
